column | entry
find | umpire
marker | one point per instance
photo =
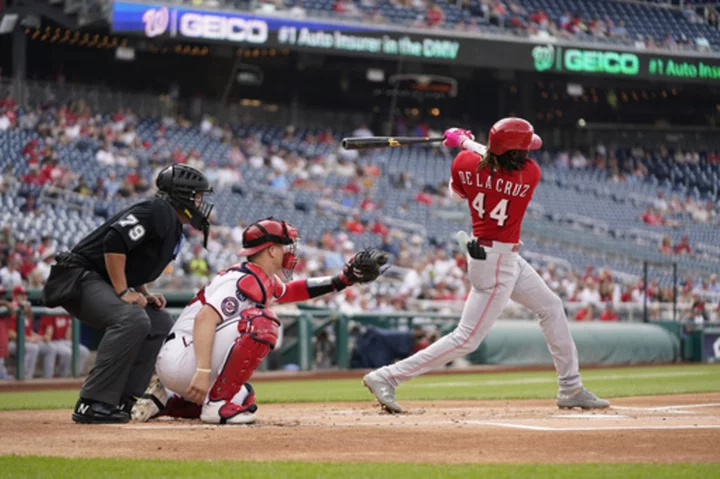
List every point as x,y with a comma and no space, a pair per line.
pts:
102,282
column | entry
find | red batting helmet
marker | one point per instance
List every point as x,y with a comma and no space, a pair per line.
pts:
512,134
267,232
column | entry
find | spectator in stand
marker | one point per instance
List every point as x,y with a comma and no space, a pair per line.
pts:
354,225
58,328
379,228
669,41
368,204
498,14
198,266
606,287
590,294
609,313
652,217
666,247
35,345
30,207
714,286
111,185
435,16
42,268
698,312
6,313
586,313
683,247
9,275
104,155
653,291
390,247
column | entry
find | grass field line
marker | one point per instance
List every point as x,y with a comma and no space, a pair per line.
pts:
669,408
509,382
590,416
589,428
469,422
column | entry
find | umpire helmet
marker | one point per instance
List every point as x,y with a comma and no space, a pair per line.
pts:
512,134
180,185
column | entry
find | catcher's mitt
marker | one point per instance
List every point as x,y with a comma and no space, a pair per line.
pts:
366,265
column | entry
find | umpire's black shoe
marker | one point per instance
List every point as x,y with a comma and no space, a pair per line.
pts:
94,412
126,404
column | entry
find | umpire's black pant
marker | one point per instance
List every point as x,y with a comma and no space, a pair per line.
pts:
133,336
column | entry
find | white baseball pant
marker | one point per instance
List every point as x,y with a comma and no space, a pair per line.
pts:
32,351
503,275
176,363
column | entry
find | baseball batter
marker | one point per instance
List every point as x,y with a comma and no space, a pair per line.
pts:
498,183
227,330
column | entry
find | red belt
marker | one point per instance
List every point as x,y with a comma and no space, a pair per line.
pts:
489,244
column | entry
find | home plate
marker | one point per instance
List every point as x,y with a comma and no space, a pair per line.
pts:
589,416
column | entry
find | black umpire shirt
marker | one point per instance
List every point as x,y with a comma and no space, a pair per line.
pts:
152,233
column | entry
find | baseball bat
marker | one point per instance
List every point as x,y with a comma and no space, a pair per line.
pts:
387,141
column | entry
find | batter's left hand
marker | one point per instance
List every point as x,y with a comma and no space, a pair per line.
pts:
157,301
455,137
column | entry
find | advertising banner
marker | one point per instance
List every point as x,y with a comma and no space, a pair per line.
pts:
383,41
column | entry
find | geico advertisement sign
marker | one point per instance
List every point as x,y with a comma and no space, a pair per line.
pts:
217,27
596,61
548,57
207,26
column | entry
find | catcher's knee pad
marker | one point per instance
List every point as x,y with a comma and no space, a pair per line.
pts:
259,329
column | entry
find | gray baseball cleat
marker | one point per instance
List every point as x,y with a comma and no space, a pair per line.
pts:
151,403
581,398
383,391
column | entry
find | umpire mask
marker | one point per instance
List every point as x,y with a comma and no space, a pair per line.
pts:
185,188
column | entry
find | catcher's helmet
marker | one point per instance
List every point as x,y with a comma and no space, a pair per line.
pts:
261,235
512,134
179,184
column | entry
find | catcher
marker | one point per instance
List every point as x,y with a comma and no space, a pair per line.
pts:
226,331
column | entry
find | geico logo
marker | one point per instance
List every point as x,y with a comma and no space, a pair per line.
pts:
215,27
599,61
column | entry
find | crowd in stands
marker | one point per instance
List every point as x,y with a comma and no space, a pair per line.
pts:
670,210
513,16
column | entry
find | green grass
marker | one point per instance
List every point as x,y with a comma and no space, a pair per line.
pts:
604,382
28,467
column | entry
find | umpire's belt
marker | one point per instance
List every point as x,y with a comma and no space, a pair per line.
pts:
499,247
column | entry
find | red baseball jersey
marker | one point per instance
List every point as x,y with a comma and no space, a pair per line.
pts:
498,200
28,325
60,325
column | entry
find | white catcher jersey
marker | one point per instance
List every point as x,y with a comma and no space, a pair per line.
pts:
223,294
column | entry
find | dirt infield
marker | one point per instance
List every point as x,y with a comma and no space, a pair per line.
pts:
683,428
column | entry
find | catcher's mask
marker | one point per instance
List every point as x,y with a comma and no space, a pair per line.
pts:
184,188
263,234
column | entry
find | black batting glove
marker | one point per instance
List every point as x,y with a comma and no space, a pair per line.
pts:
475,250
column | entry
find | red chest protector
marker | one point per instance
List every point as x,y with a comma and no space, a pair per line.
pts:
256,286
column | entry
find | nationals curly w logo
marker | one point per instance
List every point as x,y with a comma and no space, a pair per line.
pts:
544,55
156,21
